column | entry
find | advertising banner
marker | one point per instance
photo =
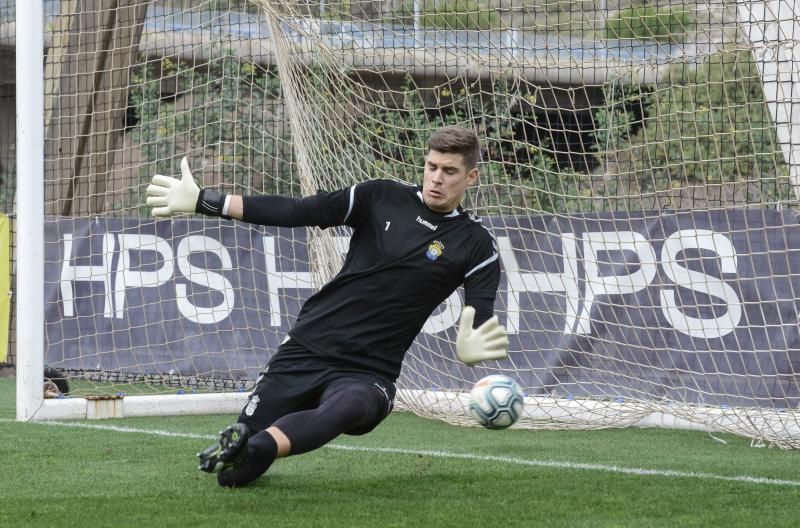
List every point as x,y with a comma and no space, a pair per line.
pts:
679,305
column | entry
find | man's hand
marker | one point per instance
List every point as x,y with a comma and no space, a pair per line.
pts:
168,196
488,341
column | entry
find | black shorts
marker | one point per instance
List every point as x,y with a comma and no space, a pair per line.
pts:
298,380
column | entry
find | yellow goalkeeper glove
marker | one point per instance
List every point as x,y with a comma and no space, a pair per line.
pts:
168,196
487,342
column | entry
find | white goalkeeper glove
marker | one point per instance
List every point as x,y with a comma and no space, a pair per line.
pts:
488,341
168,196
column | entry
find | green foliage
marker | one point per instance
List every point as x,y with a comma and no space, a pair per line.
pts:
333,9
517,174
212,5
232,114
455,14
524,174
649,23
614,122
711,126
223,113
706,125
396,135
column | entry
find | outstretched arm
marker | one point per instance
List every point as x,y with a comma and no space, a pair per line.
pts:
169,196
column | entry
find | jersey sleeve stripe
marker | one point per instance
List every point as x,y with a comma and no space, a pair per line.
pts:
352,201
481,265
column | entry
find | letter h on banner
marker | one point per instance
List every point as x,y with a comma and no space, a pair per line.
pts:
518,282
101,273
578,308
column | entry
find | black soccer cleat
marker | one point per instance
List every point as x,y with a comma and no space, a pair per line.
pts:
229,450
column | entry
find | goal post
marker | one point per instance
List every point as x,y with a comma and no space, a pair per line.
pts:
638,171
30,215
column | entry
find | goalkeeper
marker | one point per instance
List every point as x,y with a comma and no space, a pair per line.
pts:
410,249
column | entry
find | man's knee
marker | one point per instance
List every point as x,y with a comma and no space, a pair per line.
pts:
364,405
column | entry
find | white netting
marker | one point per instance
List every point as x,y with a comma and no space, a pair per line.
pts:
637,170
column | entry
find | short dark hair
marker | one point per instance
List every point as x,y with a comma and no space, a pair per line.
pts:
458,140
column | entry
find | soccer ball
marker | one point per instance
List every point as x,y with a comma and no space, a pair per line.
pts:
496,401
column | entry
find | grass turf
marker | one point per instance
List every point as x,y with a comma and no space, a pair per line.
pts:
409,472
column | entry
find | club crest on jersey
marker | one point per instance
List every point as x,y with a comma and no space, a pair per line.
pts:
435,250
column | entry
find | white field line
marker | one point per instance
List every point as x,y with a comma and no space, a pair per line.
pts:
584,466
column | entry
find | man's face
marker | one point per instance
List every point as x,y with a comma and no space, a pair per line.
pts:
445,180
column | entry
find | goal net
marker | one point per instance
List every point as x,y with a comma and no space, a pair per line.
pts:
639,170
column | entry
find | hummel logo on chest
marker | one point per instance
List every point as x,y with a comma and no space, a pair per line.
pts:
427,224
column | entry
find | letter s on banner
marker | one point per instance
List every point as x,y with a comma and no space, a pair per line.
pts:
204,277
700,282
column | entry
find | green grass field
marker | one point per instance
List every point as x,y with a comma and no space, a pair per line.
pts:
408,472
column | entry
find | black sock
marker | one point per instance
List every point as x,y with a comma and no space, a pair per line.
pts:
261,453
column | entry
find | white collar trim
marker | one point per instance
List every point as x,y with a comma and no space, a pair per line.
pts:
451,214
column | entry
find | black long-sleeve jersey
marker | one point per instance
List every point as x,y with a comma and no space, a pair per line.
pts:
404,260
